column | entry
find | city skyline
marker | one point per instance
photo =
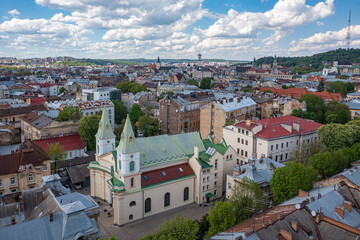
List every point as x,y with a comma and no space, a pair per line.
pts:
233,30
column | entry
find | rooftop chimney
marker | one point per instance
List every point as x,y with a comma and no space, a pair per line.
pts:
319,195
303,193
317,218
248,122
294,225
196,151
340,211
347,206
281,216
13,220
39,198
285,234
51,216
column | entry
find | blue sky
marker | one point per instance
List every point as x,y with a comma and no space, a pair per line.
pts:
228,29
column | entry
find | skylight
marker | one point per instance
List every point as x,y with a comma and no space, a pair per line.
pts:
146,178
163,173
181,170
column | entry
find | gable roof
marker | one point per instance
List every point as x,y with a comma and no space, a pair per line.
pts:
71,142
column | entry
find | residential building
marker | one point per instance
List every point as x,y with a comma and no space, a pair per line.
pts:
202,72
72,144
354,106
4,92
182,113
257,170
277,138
89,108
50,211
23,169
146,176
35,126
218,113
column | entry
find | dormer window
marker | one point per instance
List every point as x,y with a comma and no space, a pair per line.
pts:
163,173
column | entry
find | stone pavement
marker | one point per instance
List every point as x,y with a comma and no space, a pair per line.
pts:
140,228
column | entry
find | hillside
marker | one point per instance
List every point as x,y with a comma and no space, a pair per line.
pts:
315,62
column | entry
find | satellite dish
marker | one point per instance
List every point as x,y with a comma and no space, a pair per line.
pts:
313,213
297,206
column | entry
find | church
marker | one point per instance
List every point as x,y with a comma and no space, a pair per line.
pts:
142,177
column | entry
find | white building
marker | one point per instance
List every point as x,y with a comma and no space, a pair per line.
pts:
272,137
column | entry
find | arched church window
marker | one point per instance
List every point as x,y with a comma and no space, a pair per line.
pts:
132,166
147,205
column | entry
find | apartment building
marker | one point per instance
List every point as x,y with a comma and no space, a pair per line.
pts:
182,113
216,114
277,138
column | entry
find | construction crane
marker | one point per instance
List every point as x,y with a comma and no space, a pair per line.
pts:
348,33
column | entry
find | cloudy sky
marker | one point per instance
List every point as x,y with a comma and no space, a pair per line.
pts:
227,29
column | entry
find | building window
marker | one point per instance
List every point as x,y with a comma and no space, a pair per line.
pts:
44,167
245,153
276,158
281,157
272,147
30,178
277,146
242,141
70,154
230,156
238,151
12,181
208,171
216,163
207,179
286,156
147,205
215,183
238,140
167,199
287,144
242,131
0,183
247,132
186,194
246,142
132,182
203,179
133,203
282,145
131,217
132,166
242,152
215,192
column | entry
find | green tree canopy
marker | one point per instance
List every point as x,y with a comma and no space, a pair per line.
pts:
69,113
205,83
286,181
176,229
340,87
132,87
135,113
119,129
193,82
148,126
57,154
337,113
88,127
335,136
120,111
284,86
321,86
61,90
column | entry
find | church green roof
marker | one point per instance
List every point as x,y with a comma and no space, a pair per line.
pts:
105,130
128,143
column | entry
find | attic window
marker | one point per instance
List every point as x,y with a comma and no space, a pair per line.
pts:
163,173
181,170
67,140
146,178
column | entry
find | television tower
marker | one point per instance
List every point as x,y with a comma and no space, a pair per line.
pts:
348,33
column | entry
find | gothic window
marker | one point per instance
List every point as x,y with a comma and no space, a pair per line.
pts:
186,194
133,203
147,205
167,199
132,166
131,217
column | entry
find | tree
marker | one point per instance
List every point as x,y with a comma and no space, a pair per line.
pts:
88,127
69,113
284,86
315,107
321,86
221,218
192,82
340,87
119,129
135,113
57,154
132,87
337,113
335,136
121,111
205,83
305,151
177,228
148,125
355,122
326,164
286,181
61,90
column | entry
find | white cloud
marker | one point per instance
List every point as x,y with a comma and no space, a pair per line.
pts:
14,12
327,40
319,23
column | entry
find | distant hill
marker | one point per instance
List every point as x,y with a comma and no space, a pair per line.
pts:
314,62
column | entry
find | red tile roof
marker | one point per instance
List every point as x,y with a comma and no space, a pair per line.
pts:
71,142
271,127
37,100
299,92
171,173
28,153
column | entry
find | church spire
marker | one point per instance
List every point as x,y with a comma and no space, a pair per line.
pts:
105,130
127,141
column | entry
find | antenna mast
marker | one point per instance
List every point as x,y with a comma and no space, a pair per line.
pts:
348,33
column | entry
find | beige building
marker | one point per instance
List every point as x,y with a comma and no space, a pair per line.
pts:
35,126
217,114
145,176
277,137
23,169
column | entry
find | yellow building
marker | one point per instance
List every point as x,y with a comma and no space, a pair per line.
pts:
145,176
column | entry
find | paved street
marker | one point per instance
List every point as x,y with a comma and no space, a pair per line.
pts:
140,228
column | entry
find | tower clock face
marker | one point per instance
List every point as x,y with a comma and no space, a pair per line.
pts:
131,156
